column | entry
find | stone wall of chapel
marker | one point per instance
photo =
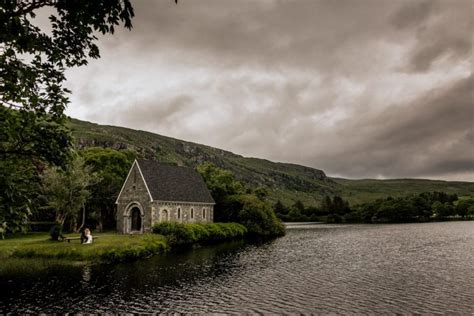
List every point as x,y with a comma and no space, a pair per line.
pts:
189,212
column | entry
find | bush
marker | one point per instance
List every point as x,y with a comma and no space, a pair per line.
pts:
179,233
259,219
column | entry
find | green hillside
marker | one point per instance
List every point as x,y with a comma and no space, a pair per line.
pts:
287,182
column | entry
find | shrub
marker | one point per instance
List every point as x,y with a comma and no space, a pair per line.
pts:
179,233
259,219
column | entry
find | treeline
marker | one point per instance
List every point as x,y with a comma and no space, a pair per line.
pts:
411,208
82,193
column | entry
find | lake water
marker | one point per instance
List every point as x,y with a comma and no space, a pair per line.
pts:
408,268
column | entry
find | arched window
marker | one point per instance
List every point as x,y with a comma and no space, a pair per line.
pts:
179,213
192,213
203,213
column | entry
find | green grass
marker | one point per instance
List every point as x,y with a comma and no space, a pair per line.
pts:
33,252
107,248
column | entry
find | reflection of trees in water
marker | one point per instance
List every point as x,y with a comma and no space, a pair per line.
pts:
107,287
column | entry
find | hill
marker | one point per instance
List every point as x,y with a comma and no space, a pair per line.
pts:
284,181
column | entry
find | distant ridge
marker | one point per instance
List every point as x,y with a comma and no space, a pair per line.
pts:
285,181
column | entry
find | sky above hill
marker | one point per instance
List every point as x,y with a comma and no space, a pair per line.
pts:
360,89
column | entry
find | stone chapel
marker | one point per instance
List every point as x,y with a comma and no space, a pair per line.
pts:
156,192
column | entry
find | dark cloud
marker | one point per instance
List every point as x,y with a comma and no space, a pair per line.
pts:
413,14
441,28
430,136
372,88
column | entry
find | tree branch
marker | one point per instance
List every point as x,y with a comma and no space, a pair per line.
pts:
25,8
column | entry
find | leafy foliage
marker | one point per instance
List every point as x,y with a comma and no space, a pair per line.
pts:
67,191
111,166
258,217
236,203
204,233
32,97
465,207
422,207
224,188
17,185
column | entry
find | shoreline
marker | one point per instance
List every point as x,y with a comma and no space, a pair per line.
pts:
34,251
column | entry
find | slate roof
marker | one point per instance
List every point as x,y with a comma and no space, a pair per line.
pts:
172,183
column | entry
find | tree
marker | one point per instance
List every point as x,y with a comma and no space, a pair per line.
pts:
258,217
463,207
279,208
326,205
67,191
236,203
32,96
340,206
442,209
112,167
299,206
225,190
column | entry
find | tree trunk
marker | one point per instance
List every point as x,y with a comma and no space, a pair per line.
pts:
100,225
73,225
83,217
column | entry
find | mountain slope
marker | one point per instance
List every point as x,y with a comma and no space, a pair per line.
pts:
287,182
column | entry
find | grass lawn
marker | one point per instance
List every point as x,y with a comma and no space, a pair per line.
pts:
109,247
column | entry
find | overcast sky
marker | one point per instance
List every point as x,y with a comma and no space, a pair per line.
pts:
358,88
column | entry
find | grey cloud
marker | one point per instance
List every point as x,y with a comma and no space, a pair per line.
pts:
359,89
267,34
153,114
413,14
431,136
442,28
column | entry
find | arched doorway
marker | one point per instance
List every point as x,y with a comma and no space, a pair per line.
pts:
164,216
136,219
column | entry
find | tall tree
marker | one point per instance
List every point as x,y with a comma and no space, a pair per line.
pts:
67,191
32,95
112,167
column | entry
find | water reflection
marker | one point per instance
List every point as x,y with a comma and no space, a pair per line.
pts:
425,268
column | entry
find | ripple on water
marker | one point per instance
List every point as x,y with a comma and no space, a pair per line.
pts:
412,268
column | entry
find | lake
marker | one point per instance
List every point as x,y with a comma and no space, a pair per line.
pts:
320,268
